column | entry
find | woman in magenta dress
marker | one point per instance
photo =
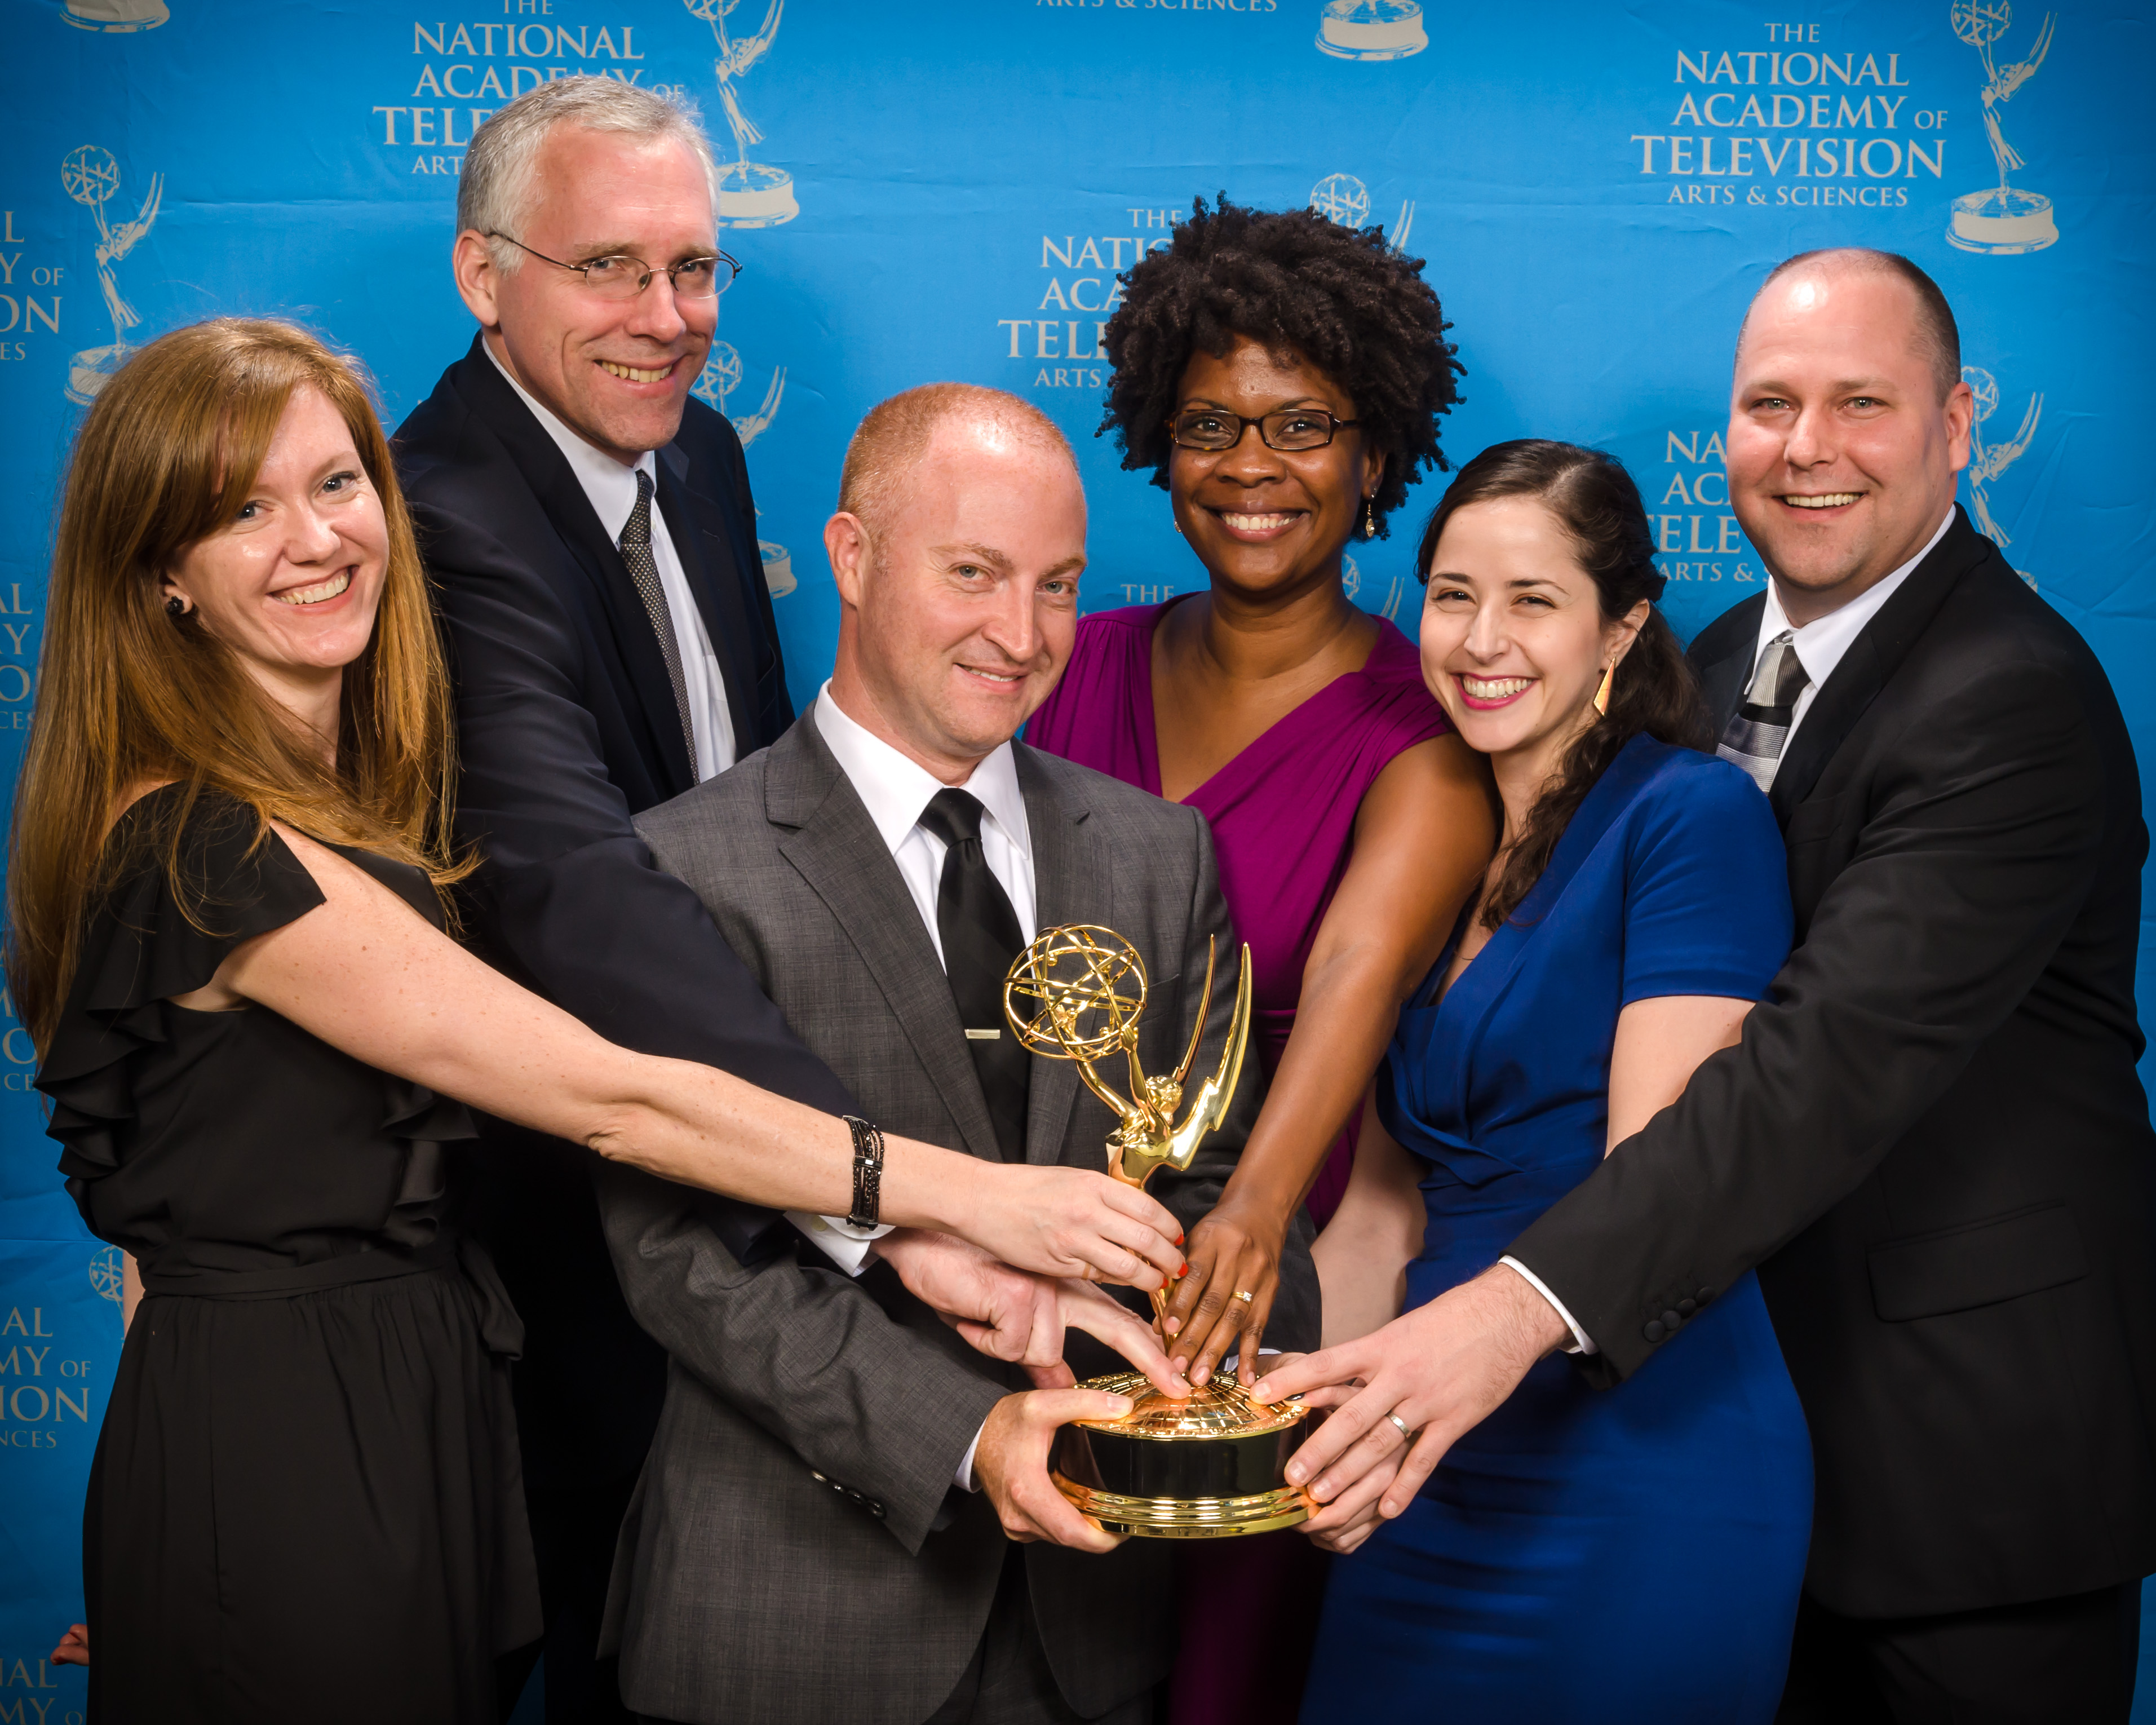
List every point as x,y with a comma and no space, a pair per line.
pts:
1282,377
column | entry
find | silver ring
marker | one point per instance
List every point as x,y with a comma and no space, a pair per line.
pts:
1403,1425
1245,1297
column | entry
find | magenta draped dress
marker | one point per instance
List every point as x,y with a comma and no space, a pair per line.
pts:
1283,819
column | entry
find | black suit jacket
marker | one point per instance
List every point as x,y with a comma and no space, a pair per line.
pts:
567,729
1932,1139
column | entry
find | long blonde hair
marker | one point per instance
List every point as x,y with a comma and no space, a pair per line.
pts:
130,695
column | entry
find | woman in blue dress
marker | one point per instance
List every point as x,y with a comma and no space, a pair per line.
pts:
1633,1554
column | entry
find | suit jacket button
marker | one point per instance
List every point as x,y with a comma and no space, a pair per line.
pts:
1704,1295
1670,1319
1655,1331
1687,1306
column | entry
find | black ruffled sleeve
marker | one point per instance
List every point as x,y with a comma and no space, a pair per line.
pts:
141,948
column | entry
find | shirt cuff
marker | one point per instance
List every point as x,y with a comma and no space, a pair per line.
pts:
845,1245
1581,1342
965,1474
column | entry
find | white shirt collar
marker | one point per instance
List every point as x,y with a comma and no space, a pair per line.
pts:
1822,644
611,487
896,789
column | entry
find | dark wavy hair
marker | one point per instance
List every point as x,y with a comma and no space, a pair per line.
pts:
1289,278
1655,691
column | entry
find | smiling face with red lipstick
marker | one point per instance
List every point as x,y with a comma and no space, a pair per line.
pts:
1268,523
1844,435
1514,641
618,372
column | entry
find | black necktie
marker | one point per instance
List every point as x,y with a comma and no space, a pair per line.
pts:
980,935
635,543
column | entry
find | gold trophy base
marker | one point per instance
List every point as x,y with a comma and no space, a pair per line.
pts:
1190,1518
1213,1466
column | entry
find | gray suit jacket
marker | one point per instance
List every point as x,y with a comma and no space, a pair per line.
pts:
796,1551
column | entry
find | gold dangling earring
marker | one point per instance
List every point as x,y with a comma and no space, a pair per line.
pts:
1602,695
1369,518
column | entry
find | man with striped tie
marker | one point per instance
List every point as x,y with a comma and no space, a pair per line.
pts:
589,529
1930,1139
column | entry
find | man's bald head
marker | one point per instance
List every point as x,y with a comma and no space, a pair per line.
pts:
891,441
1933,330
956,550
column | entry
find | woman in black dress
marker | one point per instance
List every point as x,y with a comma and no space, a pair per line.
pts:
226,879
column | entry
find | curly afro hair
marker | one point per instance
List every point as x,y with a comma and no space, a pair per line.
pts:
1288,279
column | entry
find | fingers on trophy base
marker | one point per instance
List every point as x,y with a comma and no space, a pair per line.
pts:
1213,1465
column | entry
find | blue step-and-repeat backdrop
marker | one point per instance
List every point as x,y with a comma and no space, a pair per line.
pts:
926,189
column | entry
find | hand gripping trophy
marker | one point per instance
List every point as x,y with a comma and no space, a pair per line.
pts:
1213,1465
750,195
90,177
720,377
2000,220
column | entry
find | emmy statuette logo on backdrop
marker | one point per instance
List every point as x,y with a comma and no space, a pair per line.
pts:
1345,199
117,17
90,177
1342,199
721,376
108,1275
1987,461
2000,220
1371,29
750,195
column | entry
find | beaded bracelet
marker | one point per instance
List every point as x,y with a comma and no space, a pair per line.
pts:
868,1171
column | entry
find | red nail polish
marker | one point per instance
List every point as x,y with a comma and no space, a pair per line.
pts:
1179,1239
1182,1272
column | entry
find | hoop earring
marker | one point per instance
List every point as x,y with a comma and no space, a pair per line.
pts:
1602,695
1369,518
176,606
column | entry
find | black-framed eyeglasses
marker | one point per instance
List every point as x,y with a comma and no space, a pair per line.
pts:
622,277
1287,429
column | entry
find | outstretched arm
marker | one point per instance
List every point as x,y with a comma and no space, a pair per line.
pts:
363,972
1423,836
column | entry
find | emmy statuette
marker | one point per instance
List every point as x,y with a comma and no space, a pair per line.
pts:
1213,1465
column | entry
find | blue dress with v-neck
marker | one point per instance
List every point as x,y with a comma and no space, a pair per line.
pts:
1616,1555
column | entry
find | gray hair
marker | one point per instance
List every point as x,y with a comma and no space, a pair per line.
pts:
493,193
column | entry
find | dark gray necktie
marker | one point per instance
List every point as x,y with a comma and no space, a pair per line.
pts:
635,544
1759,730
981,936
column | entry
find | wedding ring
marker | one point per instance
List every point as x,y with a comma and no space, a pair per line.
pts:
1244,1296
1403,1425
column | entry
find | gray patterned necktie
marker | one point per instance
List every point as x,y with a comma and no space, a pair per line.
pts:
1760,728
635,544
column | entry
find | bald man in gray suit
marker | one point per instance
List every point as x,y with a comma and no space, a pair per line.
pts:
847,1512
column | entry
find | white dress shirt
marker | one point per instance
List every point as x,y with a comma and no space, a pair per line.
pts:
896,792
612,489
1820,645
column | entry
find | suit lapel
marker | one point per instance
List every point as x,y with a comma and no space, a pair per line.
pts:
1872,661
1723,676
1073,873
837,850
698,524
555,486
